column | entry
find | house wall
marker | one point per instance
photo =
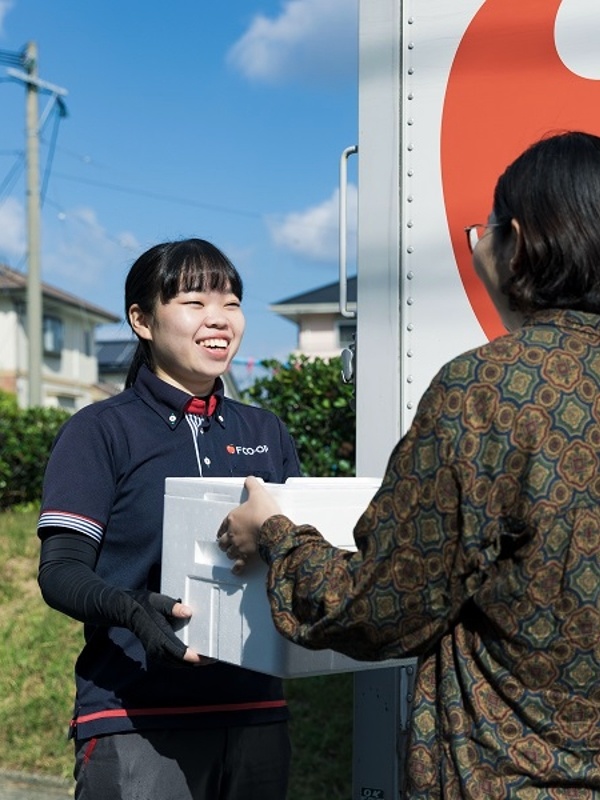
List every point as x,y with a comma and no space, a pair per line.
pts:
8,345
317,336
69,378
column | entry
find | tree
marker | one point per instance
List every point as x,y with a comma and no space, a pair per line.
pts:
309,396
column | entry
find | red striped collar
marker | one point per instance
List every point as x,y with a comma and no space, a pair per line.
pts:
204,407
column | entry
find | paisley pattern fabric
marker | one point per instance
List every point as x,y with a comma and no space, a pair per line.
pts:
481,555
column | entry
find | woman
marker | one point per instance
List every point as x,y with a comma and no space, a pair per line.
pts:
480,553
153,719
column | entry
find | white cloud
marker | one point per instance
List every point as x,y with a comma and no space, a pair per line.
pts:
12,230
5,7
78,255
128,241
314,233
311,40
82,258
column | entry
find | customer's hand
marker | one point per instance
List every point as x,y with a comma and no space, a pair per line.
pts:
238,533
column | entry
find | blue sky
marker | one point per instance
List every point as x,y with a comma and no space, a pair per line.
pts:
223,120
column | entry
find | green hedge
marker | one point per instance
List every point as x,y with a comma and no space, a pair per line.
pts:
309,396
26,436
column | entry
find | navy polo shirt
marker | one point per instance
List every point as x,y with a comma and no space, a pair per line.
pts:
105,479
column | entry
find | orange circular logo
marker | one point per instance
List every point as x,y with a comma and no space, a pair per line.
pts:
507,88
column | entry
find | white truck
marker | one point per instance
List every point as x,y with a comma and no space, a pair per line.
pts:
450,92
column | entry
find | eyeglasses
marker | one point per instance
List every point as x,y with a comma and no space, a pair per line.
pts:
475,232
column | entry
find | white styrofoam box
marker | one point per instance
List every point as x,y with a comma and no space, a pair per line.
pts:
232,618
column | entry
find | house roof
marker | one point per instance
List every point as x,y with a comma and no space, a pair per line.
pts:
114,357
13,282
323,300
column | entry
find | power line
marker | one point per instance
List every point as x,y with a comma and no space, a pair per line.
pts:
180,200
12,59
58,115
11,177
156,196
18,167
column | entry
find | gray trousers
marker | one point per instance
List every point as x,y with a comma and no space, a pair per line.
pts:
243,763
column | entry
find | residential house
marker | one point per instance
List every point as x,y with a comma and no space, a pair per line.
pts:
69,369
322,330
114,357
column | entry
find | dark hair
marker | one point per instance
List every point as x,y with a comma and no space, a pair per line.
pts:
553,191
159,274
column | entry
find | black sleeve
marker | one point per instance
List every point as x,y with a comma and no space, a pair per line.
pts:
69,584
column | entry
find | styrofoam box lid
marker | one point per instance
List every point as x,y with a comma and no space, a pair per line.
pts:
232,618
332,505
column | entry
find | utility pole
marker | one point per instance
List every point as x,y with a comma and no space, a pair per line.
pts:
34,283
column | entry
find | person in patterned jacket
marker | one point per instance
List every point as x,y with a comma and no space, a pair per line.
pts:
480,553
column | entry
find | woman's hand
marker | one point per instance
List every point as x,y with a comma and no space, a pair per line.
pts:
238,533
149,616
181,611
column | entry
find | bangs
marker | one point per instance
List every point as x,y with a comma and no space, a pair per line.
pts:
195,277
197,266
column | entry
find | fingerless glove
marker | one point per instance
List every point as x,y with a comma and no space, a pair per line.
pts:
69,584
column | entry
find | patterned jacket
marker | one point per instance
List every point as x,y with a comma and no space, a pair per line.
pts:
481,555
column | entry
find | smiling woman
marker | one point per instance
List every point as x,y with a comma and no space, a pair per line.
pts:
190,325
216,731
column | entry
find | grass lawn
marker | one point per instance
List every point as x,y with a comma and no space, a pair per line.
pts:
37,654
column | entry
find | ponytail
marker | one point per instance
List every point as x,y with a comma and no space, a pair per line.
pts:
141,356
